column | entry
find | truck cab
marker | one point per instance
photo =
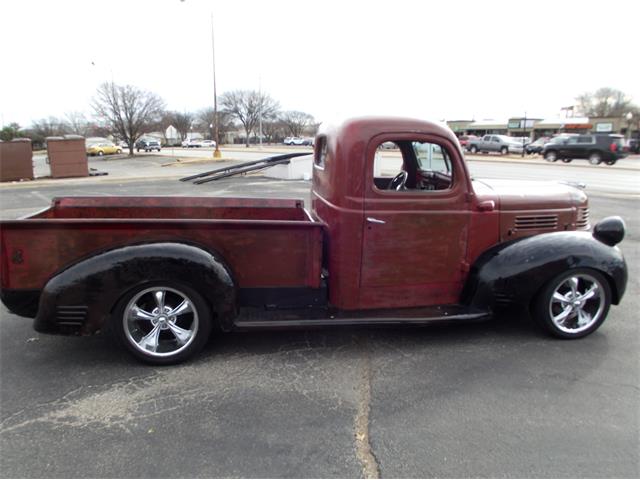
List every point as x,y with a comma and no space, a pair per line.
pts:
397,224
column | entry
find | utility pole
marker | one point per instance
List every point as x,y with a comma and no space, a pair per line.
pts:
216,152
524,132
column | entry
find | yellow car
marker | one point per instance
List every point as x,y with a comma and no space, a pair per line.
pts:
103,149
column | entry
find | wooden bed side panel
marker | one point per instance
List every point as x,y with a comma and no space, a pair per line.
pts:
260,254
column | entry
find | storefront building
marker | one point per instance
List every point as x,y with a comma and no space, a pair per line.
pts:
537,127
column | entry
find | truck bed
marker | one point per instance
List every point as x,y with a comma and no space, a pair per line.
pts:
268,243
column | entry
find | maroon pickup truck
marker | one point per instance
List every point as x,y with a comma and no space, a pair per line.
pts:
400,236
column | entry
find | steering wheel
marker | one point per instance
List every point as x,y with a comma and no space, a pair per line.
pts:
398,182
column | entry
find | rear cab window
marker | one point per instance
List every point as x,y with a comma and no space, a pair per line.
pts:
320,154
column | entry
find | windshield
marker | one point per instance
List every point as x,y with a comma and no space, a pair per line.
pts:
431,157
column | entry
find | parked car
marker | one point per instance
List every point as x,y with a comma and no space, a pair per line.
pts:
297,141
495,143
191,143
148,145
597,148
465,139
633,145
103,149
536,146
208,143
428,244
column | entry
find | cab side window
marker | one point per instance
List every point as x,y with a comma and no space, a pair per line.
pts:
412,166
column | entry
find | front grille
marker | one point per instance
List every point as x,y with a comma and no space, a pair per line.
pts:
536,222
71,316
582,222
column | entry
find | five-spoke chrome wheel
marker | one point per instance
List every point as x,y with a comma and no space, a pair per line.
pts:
160,321
574,304
577,303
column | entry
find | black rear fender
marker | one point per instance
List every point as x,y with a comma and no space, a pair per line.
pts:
81,298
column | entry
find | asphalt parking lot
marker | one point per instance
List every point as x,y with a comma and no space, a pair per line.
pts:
495,399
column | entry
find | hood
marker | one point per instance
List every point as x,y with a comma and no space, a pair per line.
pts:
528,194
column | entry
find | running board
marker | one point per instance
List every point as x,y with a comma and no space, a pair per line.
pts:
322,318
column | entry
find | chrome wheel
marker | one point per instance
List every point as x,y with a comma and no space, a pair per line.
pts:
577,303
160,321
595,159
550,156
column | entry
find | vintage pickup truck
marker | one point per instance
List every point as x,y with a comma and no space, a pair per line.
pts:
392,237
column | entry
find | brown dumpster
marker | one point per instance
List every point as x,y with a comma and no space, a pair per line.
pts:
16,162
67,156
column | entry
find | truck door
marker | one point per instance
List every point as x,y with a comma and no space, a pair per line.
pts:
415,223
486,143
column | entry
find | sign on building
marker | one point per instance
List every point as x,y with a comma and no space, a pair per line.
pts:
604,127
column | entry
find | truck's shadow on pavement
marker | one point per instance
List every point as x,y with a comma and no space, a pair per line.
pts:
512,331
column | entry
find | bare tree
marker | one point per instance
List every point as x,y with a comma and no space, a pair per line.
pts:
274,130
604,102
247,106
46,127
127,109
225,122
296,122
77,123
181,122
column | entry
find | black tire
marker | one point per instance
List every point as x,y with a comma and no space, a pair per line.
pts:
504,150
595,158
551,156
566,160
138,150
198,321
610,162
473,149
119,150
545,304
100,153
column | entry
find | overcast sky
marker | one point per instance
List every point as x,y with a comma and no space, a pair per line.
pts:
333,59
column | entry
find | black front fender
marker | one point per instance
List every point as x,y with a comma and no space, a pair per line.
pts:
80,298
513,272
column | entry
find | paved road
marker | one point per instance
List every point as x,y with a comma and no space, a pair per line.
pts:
620,179
497,399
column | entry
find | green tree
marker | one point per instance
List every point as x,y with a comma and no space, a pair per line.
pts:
10,132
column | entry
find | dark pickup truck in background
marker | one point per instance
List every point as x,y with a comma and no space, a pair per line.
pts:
403,240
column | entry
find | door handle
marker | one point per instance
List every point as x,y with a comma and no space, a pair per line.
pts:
375,220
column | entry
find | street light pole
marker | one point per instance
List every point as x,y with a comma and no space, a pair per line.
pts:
216,152
260,110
